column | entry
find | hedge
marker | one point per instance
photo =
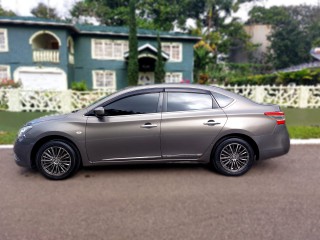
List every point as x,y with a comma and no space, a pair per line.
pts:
302,77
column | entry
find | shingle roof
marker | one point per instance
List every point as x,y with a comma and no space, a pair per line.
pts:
94,29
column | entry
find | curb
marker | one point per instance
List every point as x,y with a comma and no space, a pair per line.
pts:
305,141
292,142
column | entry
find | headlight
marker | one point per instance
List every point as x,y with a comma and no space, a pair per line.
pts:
23,131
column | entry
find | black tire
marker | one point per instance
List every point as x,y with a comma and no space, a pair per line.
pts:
57,160
233,157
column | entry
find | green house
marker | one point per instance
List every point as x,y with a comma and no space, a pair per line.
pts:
48,54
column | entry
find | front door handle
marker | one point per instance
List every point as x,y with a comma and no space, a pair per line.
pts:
149,125
211,123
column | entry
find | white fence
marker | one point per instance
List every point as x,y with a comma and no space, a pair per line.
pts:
66,101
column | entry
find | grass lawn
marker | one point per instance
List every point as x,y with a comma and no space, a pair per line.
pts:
11,122
301,123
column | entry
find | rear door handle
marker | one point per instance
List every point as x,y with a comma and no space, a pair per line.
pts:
149,125
211,123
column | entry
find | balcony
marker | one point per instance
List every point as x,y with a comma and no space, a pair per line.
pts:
51,56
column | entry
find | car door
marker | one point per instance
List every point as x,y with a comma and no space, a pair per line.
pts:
191,120
130,130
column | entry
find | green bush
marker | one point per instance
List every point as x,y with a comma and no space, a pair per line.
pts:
79,86
302,77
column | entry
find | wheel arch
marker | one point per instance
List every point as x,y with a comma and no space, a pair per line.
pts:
248,139
43,140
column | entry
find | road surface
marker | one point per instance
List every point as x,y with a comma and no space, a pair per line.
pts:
278,199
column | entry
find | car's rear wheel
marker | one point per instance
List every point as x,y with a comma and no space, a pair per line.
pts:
57,160
233,157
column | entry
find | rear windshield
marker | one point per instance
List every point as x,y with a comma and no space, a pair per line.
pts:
222,100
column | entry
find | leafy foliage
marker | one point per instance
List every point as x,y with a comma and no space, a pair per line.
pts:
133,67
43,11
159,15
159,70
302,77
295,30
6,13
79,86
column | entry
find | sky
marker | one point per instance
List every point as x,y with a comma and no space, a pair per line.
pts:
23,7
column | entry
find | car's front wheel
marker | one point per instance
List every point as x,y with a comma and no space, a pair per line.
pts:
233,157
57,160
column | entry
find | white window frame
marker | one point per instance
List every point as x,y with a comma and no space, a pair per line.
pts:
171,44
8,71
94,80
113,42
170,75
5,33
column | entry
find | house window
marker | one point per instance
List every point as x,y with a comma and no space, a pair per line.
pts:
104,80
3,40
108,49
174,50
173,77
4,72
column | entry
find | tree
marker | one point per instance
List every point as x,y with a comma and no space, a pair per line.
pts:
158,15
295,30
6,13
159,72
133,67
43,11
289,45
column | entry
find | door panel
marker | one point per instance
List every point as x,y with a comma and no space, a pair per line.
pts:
126,137
188,134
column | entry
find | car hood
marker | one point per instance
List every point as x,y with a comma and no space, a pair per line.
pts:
47,118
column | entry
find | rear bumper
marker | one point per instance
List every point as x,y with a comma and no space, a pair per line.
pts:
275,144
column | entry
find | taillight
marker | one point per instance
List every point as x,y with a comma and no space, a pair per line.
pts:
278,116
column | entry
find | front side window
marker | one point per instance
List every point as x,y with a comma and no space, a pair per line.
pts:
3,40
188,101
174,50
104,80
109,49
138,104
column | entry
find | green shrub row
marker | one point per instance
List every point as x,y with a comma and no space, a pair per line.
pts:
302,77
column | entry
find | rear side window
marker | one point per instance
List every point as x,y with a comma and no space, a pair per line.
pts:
138,104
188,101
222,100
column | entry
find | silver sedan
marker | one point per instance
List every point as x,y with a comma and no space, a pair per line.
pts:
156,123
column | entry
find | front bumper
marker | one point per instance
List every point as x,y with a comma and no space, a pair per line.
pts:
22,153
275,144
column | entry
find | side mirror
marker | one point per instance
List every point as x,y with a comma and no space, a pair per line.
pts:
99,112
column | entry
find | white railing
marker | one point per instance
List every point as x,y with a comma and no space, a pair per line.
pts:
66,101
17,100
46,56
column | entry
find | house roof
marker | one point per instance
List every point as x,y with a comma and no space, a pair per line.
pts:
93,29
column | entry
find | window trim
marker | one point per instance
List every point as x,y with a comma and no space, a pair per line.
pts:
6,42
170,53
93,52
8,71
128,94
94,80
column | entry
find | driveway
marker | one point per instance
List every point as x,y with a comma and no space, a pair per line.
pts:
278,199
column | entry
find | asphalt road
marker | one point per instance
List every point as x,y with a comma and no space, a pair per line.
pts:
278,199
